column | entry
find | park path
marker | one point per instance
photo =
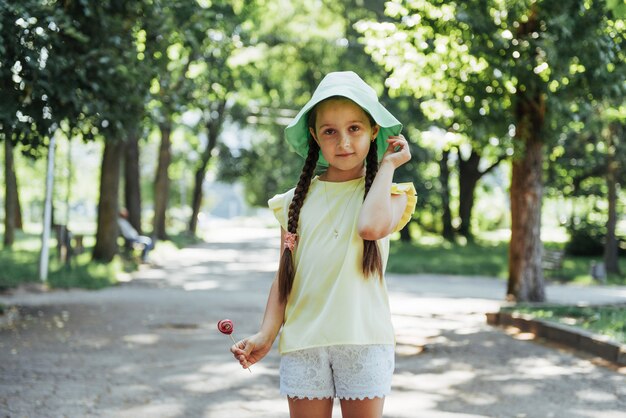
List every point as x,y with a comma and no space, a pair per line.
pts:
150,348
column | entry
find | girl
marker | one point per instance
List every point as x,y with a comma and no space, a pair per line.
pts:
329,295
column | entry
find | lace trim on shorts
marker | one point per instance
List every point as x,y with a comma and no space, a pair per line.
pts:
353,372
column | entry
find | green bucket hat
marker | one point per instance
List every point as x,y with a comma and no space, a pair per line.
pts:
346,84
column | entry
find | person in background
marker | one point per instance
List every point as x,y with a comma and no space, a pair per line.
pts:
131,236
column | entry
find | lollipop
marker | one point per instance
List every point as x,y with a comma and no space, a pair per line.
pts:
225,326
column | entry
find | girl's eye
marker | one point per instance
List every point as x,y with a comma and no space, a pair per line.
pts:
355,128
329,131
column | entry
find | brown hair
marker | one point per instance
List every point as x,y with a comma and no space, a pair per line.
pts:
286,269
372,261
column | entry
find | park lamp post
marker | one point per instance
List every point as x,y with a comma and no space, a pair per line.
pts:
47,213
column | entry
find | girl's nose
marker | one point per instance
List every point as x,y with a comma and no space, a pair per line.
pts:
344,140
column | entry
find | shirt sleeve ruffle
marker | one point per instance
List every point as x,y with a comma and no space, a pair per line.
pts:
279,204
411,202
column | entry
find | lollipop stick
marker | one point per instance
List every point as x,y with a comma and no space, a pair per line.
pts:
234,342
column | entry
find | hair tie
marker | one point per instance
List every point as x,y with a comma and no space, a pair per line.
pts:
290,241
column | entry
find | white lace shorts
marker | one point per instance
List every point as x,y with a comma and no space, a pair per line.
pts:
343,371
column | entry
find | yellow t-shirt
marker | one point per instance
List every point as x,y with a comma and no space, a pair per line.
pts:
331,302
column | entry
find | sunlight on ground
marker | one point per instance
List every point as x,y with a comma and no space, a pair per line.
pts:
201,285
260,408
425,393
518,389
161,409
142,339
591,395
600,414
540,367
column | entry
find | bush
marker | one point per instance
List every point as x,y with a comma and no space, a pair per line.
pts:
586,238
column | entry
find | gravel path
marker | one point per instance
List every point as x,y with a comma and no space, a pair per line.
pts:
150,348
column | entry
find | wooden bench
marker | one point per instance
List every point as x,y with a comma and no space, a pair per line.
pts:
68,244
552,260
132,248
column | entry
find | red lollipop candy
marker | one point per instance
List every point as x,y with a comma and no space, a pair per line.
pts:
225,326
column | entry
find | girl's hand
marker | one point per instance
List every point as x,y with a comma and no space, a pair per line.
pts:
251,350
399,157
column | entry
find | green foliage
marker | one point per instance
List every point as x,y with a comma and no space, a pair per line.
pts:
19,266
587,234
484,257
586,238
96,68
467,61
268,167
74,63
605,320
440,257
85,274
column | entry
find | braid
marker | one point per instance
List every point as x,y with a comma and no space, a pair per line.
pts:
372,261
286,270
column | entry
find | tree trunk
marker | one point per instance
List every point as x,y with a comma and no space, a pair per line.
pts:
162,182
19,222
526,281
107,230
444,177
610,244
469,175
132,183
196,201
10,201
214,125
468,178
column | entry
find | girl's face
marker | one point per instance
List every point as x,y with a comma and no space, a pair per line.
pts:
344,132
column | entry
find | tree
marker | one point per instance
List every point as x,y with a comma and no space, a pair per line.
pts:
177,31
216,82
22,94
469,175
612,169
539,58
10,199
132,179
434,63
63,75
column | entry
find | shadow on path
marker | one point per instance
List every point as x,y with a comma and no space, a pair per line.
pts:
150,348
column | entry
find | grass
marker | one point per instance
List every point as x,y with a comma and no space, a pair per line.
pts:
438,256
183,239
484,257
20,264
605,320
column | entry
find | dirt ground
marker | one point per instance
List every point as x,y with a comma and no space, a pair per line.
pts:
150,347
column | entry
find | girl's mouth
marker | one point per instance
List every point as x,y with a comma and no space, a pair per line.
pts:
345,155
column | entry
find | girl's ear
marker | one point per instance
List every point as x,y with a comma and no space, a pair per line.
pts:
312,131
375,130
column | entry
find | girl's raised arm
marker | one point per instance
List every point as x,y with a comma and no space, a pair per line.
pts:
252,349
381,211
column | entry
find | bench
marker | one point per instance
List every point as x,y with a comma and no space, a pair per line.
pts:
552,260
131,247
137,248
68,244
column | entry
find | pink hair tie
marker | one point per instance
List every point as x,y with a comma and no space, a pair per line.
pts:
290,241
